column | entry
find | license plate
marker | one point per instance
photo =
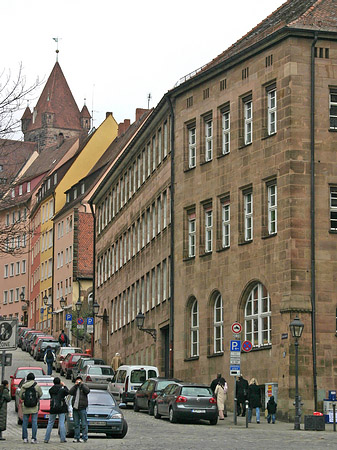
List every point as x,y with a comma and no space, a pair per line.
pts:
200,411
46,416
92,422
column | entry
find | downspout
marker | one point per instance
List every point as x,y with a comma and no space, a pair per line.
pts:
171,326
52,273
93,282
312,219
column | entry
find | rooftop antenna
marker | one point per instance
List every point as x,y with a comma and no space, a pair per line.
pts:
57,48
148,100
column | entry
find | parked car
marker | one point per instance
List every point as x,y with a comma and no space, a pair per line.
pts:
25,337
68,363
128,379
81,363
45,383
21,333
103,414
61,353
37,339
31,338
22,372
148,392
187,401
41,348
97,377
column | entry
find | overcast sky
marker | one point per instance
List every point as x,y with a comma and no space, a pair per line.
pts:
114,53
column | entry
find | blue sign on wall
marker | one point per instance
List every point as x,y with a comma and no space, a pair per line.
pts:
235,346
69,317
90,321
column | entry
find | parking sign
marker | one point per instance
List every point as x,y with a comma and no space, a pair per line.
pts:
235,346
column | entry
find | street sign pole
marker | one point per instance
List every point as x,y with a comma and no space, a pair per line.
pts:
235,404
3,360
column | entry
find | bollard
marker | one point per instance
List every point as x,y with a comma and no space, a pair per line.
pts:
334,415
246,404
235,411
3,360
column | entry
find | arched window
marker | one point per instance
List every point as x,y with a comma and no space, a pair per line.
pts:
218,324
258,316
195,329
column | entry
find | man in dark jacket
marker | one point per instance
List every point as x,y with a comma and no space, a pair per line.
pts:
241,395
215,382
58,406
271,407
254,399
79,403
63,339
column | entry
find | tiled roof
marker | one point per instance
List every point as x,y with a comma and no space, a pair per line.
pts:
85,112
57,98
302,14
13,156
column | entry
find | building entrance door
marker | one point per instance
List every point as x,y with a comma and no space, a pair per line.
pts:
166,350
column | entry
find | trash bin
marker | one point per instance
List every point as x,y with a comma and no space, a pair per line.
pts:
314,423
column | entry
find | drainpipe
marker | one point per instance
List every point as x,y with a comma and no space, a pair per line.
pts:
93,283
171,327
53,273
312,219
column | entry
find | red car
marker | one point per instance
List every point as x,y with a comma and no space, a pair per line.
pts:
22,372
69,361
44,409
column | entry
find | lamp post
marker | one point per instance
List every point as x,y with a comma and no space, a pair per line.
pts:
24,307
47,301
78,306
140,317
296,328
95,310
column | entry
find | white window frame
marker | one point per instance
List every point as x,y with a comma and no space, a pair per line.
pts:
208,230
218,324
248,216
333,208
333,109
272,111
226,225
272,208
248,122
208,140
192,147
191,235
194,330
226,132
257,314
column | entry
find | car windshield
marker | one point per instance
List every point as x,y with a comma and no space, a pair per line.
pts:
51,344
162,384
101,371
76,358
138,376
24,372
45,392
65,351
101,399
196,391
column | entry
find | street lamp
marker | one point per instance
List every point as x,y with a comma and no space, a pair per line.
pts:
140,317
24,307
62,303
78,306
296,328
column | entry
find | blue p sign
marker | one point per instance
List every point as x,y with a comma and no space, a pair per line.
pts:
235,346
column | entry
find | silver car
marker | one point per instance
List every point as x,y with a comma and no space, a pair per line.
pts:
97,377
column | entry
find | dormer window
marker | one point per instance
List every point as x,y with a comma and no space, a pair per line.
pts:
67,197
20,189
28,186
75,193
13,193
82,188
55,178
48,183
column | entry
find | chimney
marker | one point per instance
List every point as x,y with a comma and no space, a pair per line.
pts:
123,126
140,112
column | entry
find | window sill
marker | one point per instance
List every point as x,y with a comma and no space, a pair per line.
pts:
268,236
206,162
192,358
332,231
223,249
267,136
215,355
245,145
332,130
245,242
222,155
257,349
202,255
188,169
189,258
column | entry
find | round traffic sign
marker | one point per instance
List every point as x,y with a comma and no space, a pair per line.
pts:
80,321
236,327
247,346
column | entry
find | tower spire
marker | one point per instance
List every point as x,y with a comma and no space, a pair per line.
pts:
57,48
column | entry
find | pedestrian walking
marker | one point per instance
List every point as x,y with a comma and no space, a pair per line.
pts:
49,358
254,400
116,361
30,393
241,395
63,339
215,382
58,407
221,397
79,403
271,407
4,399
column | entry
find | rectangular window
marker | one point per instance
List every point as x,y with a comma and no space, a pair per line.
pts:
138,235
153,220
159,146
153,287
138,171
142,294
272,209
143,230
248,122
143,166
165,147
208,230
208,140
333,109
191,147
6,271
153,153
148,225
28,186
18,268
158,284
148,287
12,270
5,297
272,116
248,216
333,208
148,151
23,267
225,132
164,209
226,224
164,280
191,235
159,215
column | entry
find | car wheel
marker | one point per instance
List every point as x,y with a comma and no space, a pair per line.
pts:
155,412
213,421
150,409
19,421
173,417
135,406
124,431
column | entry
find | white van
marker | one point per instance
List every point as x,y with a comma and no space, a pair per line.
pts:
127,380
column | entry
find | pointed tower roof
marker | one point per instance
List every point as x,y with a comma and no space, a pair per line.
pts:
27,114
85,112
56,98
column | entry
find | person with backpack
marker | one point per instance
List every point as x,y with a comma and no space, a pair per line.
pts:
79,403
4,399
58,407
30,394
63,339
49,358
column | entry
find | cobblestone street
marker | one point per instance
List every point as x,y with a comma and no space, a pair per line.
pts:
145,432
